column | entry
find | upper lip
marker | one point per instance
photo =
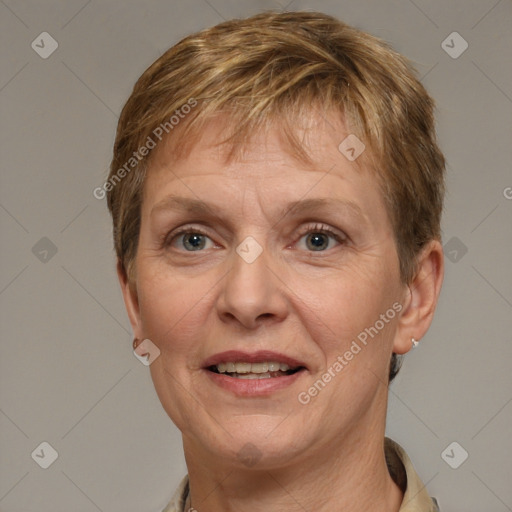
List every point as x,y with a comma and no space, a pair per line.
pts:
261,356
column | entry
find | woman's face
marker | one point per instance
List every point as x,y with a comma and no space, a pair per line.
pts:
228,272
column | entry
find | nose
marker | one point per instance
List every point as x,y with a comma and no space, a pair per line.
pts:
252,294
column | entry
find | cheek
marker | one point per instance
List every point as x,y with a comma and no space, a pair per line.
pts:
172,311
347,305
171,308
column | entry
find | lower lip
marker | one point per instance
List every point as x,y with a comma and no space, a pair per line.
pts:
253,387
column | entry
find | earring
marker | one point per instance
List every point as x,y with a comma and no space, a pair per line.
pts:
136,343
415,343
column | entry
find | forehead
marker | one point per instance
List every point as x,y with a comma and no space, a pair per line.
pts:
267,179
308,143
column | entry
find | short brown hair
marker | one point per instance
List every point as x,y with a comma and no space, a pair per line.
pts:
275,68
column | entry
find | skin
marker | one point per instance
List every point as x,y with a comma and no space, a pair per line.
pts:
310,305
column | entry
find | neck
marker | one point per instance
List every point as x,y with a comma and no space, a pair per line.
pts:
351,478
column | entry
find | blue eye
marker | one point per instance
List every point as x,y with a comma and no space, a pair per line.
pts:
317,241
320,238
191,241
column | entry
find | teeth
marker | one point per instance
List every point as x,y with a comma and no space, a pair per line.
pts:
259,367
250,376
247,369
243,367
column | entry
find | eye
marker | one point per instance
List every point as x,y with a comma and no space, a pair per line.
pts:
190,240
320,238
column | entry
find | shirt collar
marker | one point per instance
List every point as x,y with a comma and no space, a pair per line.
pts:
416,497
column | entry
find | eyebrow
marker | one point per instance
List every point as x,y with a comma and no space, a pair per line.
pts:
317,204
198,207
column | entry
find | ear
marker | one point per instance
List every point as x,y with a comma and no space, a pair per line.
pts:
131,300
421,298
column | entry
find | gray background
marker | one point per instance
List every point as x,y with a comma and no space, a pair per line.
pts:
67,374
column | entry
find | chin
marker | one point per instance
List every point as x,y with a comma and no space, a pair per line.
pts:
254,441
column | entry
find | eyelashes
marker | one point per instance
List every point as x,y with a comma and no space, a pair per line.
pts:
196,239
323,231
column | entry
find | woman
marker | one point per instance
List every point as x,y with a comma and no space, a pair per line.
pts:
276,192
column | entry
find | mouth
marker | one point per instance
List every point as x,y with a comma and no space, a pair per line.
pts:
251,371
251,374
